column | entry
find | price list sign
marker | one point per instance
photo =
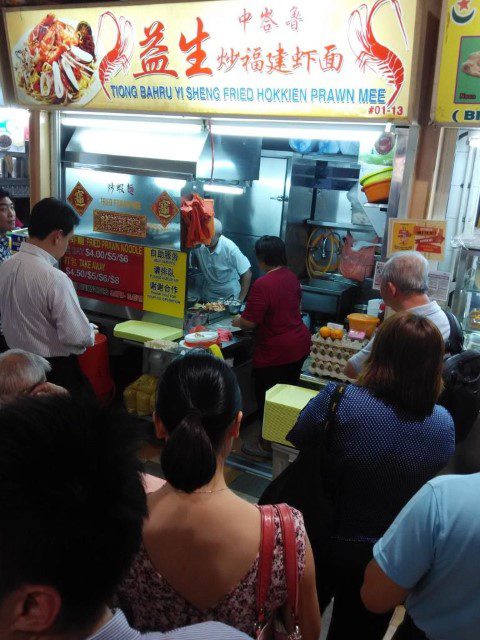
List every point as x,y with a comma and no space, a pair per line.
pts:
106,270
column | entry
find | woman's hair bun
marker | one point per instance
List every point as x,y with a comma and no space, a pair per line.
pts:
198,398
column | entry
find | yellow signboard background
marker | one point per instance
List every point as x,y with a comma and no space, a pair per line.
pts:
458,91
304,59
406,235
164,280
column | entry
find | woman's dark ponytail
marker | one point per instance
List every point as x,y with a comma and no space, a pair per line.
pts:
188,459
198,398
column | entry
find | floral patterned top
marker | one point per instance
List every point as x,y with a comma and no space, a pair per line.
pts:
151,604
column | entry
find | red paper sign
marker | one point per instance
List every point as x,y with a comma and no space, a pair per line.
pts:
106,270
79,198
165,209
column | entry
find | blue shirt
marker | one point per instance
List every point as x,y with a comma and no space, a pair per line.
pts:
5,251
433,549
117,628
379,457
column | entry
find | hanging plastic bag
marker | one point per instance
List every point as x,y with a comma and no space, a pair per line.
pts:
357,262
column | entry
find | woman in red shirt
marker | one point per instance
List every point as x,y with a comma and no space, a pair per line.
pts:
282,340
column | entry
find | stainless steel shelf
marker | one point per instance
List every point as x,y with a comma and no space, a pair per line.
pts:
15,181
367,228
13,154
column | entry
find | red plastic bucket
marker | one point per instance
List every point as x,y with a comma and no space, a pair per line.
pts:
95,365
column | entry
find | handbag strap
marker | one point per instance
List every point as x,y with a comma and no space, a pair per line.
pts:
267,544
333,406
290,556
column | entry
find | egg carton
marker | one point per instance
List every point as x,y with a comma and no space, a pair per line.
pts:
324,370
330,362
344,343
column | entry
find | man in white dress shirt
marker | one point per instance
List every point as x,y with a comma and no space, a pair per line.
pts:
39,306
72,505
225,269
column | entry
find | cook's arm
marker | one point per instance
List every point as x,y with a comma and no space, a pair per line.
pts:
245,281
240,322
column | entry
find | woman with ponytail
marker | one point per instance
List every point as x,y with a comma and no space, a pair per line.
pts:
200,552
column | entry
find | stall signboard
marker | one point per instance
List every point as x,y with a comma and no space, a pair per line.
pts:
458,65
425,236
164,284
145,278
298,58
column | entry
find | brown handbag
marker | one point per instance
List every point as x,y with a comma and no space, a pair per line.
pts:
273,626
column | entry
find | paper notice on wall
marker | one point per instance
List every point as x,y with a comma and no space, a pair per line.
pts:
378,275
438,283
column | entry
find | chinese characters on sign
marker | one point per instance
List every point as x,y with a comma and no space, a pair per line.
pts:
124,224
165,209
80,199
120,187
165,274
280,61
106,270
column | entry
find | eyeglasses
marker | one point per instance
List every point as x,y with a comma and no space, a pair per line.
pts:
9,207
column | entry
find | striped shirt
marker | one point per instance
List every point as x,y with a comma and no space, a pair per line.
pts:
119,629
39,306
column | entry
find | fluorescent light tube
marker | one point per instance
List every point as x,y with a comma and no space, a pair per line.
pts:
210,187
170,183
288,131
132,125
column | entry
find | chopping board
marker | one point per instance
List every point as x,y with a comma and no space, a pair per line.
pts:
140,331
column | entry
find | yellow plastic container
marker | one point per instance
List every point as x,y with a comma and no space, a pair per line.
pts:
283,404
363,322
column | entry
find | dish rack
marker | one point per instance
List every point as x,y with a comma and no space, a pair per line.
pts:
330,357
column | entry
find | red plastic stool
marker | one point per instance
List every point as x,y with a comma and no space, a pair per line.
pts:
95,365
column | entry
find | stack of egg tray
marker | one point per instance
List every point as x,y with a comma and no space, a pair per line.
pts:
330,357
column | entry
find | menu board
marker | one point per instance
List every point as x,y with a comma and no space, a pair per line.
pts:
131,275
106,270
458,64
346,59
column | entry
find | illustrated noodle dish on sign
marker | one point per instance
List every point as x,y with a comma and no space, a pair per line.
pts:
56,62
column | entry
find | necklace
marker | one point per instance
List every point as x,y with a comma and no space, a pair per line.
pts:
212,490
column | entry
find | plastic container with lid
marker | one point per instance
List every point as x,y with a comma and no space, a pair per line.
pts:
363,322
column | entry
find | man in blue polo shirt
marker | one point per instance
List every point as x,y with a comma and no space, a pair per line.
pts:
430,559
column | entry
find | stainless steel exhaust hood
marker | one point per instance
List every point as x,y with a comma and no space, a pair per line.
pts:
176,155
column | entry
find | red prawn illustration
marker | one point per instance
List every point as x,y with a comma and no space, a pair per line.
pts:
370,53
120,56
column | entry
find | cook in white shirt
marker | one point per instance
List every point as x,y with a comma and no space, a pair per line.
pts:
225,269
39,306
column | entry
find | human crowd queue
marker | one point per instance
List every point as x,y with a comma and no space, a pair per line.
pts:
86,554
